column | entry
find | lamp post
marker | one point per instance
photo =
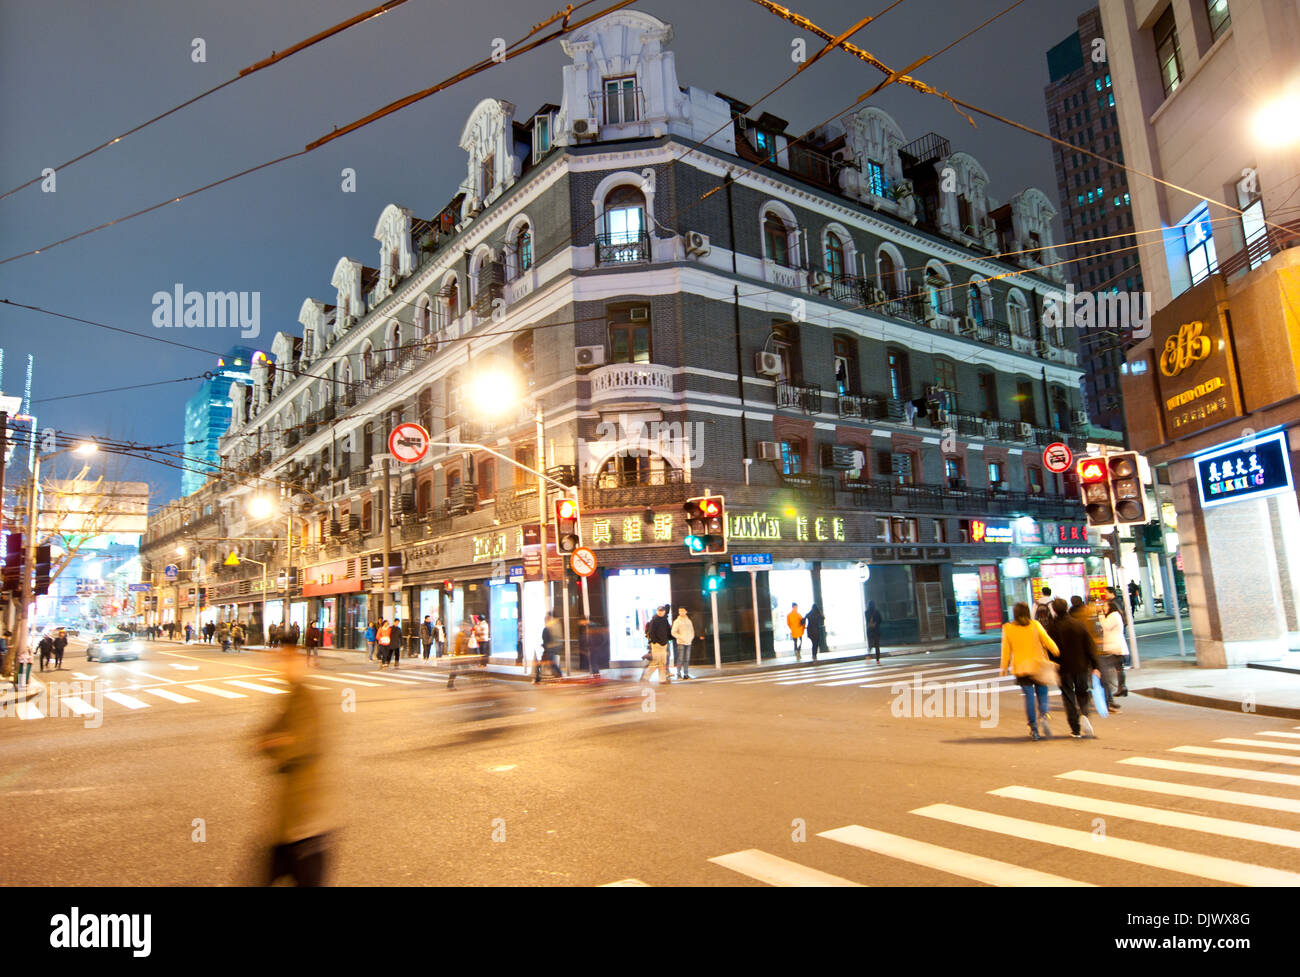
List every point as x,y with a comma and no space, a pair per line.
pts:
29,557
234,560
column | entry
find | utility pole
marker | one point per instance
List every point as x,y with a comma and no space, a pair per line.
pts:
386,516
12,659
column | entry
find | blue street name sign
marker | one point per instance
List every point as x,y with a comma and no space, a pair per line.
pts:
751,561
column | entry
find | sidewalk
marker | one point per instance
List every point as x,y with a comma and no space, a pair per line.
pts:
1264,692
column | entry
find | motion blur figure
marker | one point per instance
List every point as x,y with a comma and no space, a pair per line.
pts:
299,741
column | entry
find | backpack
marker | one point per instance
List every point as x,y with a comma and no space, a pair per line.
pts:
1043,615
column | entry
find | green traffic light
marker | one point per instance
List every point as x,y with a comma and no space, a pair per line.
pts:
695,544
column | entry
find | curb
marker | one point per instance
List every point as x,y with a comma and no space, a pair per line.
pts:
11,697
1211,702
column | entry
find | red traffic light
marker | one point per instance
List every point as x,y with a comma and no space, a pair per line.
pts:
448,586
566,509
1092,470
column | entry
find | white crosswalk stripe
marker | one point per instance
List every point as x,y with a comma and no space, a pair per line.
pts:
317,676
381,678
775,870
74,704
1238,741
122,699
1212,770
169,695
29,710
1236,754
1274,732
1244,798
213,690
256,687
959,863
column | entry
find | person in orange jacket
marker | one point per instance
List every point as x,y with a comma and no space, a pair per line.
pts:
794,621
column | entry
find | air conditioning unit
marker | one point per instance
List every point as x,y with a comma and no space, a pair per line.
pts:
586,128
969,325
697,244
837,457
638,313
819,280
585,357
1025,431
769,451
991,429
767,364
1079,418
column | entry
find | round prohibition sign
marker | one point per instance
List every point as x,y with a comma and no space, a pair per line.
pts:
409,442
1057,458
583,561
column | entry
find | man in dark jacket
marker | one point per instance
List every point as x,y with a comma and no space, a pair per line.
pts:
659,632
60,643
46,648
395,642
1078,662
815,627
313,641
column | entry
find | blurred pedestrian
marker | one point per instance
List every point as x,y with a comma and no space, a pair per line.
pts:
372,640
426,635
189,633
1027,650
659,632
794,621
209,630
223,636
482,634
384,636
295,633
23,665
439,638
313,642
60,643
874,620
46,648
1114,652
815,626
683,632
299,741
1078,662
1134,595
552,638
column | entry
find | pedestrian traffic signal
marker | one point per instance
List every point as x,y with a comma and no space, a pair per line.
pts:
568,529
1127,493
706,524
41,587
13,568
714,578
448,586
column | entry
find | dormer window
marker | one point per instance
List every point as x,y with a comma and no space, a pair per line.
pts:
620,100
308,341
875,178
776,240
487,175
541,136
764,143
524,249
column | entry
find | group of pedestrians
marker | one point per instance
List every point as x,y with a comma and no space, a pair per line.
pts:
51,648
1067,645
384,641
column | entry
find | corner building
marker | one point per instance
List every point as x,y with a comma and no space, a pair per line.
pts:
822,332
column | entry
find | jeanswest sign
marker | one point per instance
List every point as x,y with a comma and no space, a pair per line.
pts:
793,526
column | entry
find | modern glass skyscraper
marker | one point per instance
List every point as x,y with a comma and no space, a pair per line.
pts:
207,416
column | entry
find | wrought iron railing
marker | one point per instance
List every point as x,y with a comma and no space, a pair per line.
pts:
616,249
621,489
793,396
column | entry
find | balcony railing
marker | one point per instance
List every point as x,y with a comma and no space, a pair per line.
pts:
621,249
616,490
791,396
867,408
1260,249
628,381
885,494
818,489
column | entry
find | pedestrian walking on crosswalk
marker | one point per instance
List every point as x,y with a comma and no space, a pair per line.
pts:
1078,662
1027,650
815,625
874,620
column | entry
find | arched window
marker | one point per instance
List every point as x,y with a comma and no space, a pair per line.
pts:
394,343
900,375
486,471
989,395
846,365
448,302
1060,409
424,497
624,221
776,239
1018,315
887,273
424,408
367,446
523,248
834,260
422,318
367,362
975,304
346,377
937,293
322,395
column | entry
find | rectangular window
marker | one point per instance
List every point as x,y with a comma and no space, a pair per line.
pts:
791,457
1025,396
945,375
488,176
629,343
763,141
940,531
995,474
1198,238
882,529
904,531
1035,479
1220,17
875,178
541,136
951,469
620,100
1169,57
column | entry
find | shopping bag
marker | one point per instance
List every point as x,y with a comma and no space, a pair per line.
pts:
1099,697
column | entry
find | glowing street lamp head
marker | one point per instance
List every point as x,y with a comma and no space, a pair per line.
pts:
259,507
85,448
180,551
493,391
1278,122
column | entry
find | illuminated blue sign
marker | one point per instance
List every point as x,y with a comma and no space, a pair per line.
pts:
751,561
1249,469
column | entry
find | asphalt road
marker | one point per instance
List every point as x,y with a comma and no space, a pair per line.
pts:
726,781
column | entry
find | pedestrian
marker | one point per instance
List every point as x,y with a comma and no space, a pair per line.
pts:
471,639
426,635
482,634
189,633
1078,662
295,634
223,637
551,639
794,621
1114,652
372,640
384,636
240,636
46,648
23,666
395,642
60,643
659,632
209,630
313,642
683,632
1027,650
1043,612
874,620
1134,594
439,638
815,625
299,742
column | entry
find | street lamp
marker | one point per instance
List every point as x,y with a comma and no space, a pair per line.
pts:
233,561
1276,123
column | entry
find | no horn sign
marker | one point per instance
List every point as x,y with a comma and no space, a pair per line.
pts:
409,442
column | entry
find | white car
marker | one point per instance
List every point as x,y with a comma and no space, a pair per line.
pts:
112,646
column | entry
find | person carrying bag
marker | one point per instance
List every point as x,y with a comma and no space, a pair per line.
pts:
1028,650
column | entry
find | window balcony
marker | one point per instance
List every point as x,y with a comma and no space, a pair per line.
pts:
622,249
630,381
818,489
792,396
632,489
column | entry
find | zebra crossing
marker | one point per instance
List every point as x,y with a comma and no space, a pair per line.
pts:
1210,807
959,673
88,700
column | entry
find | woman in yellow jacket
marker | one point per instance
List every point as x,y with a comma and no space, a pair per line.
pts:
1027,649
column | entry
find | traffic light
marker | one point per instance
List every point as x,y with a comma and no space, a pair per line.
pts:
1094,491
13,568
714,578
568,530
41,586
448,586
706,524
1129,498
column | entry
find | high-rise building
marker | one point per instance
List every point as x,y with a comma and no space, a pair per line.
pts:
1094,204
1207,92
207,416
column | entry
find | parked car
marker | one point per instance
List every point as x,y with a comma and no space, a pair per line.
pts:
112,646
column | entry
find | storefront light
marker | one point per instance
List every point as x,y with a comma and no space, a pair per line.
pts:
1015,567
1171,542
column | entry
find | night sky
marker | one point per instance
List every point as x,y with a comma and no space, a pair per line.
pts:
73,74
